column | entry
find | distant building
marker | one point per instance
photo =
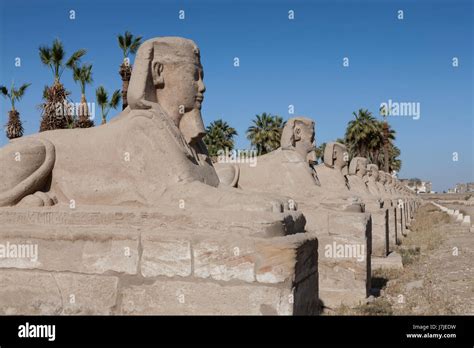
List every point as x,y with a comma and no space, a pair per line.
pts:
429,187
460,188
464,188
417,185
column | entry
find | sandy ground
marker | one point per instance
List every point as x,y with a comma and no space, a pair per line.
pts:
438,274
463,209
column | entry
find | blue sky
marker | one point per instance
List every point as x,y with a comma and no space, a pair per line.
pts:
282,62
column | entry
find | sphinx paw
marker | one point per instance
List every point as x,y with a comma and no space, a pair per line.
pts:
38,199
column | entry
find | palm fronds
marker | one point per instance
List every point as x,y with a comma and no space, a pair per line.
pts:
265,133
102,98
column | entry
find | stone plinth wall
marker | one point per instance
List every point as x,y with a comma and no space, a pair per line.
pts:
345,259
104,265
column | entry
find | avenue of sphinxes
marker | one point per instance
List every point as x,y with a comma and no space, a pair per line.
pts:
133,217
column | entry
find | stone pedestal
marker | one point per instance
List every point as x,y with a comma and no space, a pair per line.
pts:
380,233
345,245
104,261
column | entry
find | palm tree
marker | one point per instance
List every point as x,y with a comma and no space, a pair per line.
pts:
14,127
377,145
129,45
54,115
83,75
265,133
359,132
53,57
385,131
104,103
394,163
373,139
320,152
219,136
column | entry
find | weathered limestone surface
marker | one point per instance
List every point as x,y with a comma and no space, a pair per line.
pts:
283,280
392,261
26,293
118,268
205,298
87,294
40,293
344,279
467,220
79,249
380,233
263,224
165,256
331,211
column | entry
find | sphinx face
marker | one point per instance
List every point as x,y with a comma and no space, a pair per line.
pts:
304,133
183,88
374,173
181,96
361,169
382,177
340,157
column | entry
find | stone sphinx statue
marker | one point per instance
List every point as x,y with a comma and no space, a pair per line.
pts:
372,177
383,189
389,184
381,183
332,213
151,153
332,173
362,182
290,170
356,177
400,189
394,188
293,161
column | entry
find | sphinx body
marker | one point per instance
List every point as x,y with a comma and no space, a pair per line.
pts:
372,176
356,177
381,182
294,174
287,169
111,164
331,213
331,172
152,153
290,170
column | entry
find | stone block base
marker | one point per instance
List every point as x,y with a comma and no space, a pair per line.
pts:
174,266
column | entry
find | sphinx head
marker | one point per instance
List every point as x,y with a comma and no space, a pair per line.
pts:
373,171
382,177
298,134
358,166
336,155
168,73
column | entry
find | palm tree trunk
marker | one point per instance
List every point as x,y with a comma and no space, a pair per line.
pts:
362,152
55,115
104,119
376,159
14,127
125,73
385,146
84,111
83,120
